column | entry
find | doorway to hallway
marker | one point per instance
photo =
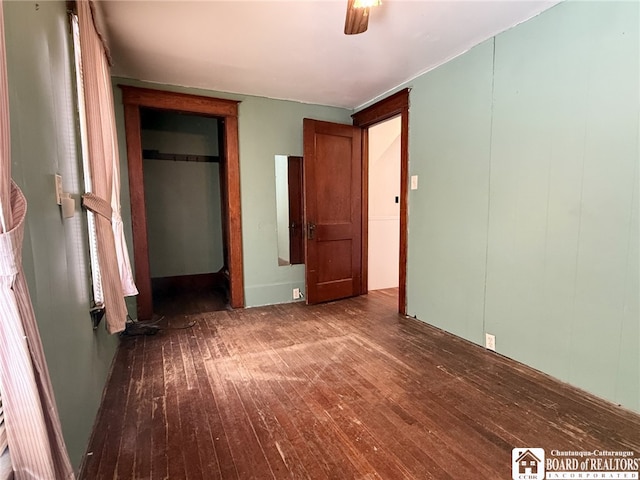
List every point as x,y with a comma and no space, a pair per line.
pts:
394,106
384,204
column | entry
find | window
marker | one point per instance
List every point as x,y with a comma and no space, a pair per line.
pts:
98,296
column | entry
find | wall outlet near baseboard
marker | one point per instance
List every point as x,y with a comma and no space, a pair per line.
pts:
296,293
490,342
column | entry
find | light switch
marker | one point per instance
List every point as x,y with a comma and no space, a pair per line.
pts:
58,189
414,182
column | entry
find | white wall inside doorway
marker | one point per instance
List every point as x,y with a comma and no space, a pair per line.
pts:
384,206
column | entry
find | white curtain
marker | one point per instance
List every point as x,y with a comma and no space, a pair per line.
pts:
103,200
124,265
33,430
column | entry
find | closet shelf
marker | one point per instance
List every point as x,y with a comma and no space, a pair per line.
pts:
178,157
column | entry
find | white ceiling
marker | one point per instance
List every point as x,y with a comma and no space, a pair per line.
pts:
296,49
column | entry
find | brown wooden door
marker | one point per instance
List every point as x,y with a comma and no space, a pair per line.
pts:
333,210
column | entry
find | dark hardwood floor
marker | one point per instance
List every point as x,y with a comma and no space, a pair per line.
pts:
181,301
197,294
345,390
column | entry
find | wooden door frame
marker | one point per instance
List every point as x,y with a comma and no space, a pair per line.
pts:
392,106
135,98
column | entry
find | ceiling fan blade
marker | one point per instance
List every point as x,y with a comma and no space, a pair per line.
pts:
357,19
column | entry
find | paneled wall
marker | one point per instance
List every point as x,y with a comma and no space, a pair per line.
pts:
525,224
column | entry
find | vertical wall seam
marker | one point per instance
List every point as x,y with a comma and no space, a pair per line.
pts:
578,239
486,252
545,260
628,282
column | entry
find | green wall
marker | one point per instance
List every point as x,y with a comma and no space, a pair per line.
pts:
450,143
183,203
55,255
184,223
526,221
171,132
525,224
267,127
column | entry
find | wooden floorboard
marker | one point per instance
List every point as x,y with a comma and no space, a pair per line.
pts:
343,390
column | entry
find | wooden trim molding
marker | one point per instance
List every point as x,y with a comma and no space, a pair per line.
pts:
234,217
181,102
365,212
394,105
383,110
182,283
133,99
138,211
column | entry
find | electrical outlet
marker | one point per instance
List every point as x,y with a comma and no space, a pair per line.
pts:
296,293
490,342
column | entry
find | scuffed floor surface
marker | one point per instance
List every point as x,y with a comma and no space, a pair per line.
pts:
346,390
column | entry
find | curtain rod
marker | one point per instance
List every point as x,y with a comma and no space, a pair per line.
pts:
99,24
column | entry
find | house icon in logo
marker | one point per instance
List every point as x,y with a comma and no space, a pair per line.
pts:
527,463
